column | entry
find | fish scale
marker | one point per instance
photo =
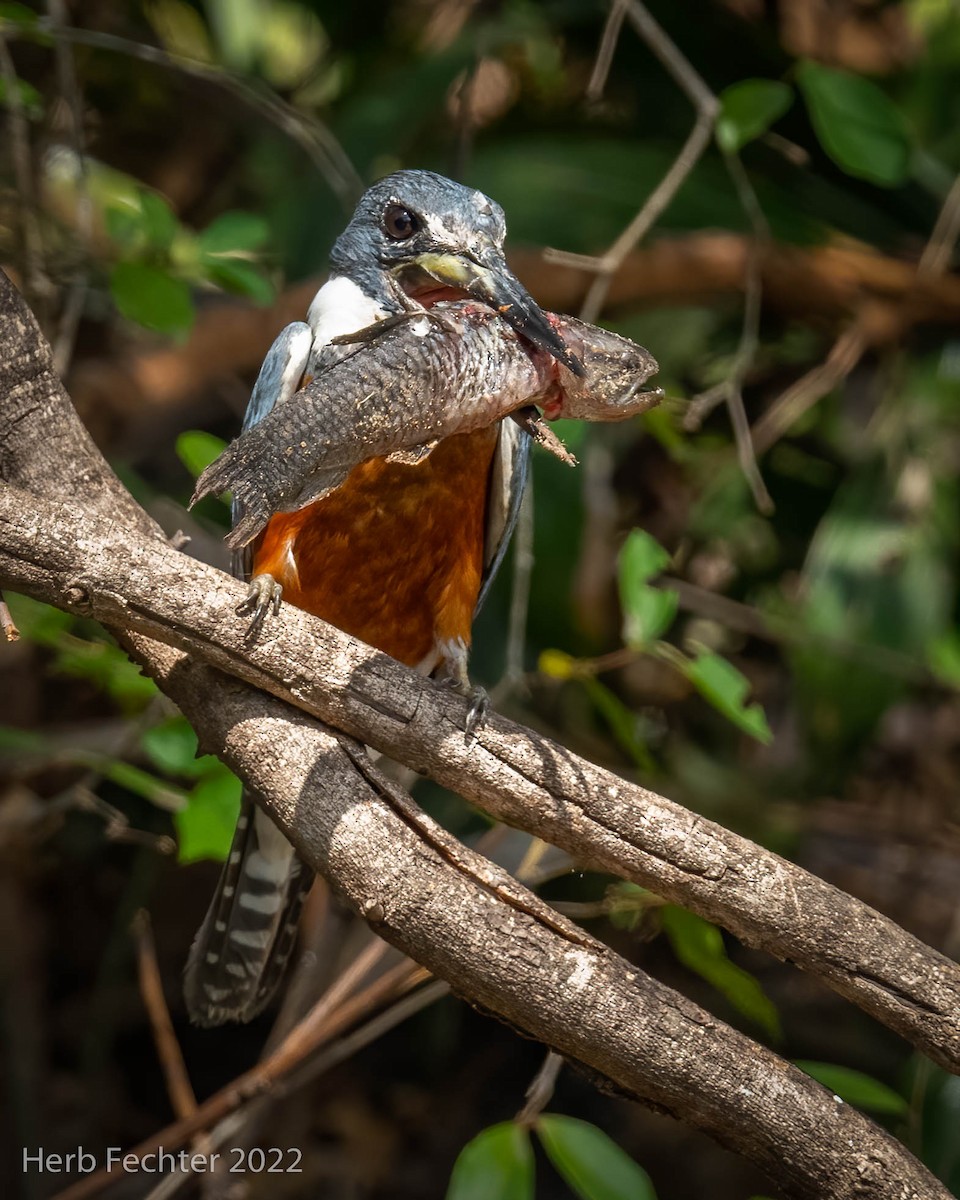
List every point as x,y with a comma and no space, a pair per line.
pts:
406,383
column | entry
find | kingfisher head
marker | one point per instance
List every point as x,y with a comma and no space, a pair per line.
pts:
419,235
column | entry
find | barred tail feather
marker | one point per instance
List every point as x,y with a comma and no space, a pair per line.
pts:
242,949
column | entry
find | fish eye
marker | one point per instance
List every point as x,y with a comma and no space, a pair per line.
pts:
399,223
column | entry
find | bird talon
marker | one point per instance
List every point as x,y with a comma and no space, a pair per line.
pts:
479,701
477,712
262,599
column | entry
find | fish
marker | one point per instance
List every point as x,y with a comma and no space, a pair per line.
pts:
397,388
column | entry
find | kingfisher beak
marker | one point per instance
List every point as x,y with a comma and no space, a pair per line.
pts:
488,278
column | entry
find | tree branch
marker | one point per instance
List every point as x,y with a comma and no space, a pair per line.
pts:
89,565
459,915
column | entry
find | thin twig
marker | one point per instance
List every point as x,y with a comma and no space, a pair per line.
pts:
706,105
801,396
938,251
850,346
314,138
513,673
750,332
465,128
66,334
233,1126
18,131
7,623
540,1091
335,1011
606,50
182,1097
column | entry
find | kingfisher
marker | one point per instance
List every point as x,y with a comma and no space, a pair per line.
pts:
401,555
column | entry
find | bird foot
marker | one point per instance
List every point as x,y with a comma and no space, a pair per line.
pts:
479,702
457,679
262,600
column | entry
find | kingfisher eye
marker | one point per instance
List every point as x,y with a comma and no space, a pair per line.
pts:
399,223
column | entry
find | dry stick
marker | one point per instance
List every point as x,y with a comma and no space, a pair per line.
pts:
66,334
540,1091
339,1051
801,396
19,134
750,333
320,1026
850,346
939,249
242,1127
10,631
513,673
235,1127
706,105
606,50
182,1097
310,135
457,914
92,565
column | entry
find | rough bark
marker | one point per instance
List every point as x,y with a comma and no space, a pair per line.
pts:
498,944
95,567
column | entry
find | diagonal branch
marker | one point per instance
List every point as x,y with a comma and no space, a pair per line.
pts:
56,553
460,916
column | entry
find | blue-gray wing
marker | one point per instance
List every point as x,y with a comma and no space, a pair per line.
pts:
280,376
241,952
507,481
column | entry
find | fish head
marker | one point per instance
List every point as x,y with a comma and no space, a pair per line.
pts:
611,387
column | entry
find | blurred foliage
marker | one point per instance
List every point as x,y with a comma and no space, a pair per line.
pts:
792,673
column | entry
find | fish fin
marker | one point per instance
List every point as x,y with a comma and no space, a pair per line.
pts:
532,423
412,455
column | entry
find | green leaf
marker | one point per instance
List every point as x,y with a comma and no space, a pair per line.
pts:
152,297
197,449
937,1106
30,100
172,747
18,14
855,1087
180,28
159,222
241,278
857,124
141,783
943,657
234,232
124,224
205,825
748,109
591,1163
723,686
647,611
496,1165
699,946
